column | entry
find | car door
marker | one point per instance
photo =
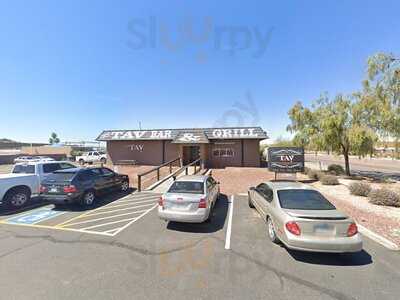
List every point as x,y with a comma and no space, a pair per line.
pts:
209,192
214,188
98,179
258,198
110,178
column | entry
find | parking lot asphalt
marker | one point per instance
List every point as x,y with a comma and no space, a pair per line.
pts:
152,259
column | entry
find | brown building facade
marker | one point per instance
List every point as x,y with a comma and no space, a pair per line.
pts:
217,147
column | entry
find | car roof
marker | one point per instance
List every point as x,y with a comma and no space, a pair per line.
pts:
41,162
288,185
196,178
71,170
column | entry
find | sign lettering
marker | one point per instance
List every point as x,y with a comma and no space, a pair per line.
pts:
286,159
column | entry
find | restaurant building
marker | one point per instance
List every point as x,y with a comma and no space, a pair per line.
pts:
217,147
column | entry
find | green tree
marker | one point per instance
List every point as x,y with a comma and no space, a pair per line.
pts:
332,124
54,138
380,98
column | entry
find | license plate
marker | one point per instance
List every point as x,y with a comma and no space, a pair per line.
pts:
53,190
323,228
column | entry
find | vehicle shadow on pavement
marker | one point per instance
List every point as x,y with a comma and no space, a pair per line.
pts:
215,224
332,259
34,203
101,200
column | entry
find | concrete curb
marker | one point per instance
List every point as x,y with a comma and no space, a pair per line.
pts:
378,238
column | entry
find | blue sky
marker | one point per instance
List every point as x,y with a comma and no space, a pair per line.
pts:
78,67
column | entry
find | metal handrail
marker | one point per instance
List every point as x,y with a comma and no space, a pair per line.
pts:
186,168
168,163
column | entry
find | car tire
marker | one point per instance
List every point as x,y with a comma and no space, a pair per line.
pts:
103,160
271,231
125,186
81,162
17,197
249,201
88,198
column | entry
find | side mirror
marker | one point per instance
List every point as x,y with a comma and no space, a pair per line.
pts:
252,188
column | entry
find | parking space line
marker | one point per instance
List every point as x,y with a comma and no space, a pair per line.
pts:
124,204
104,218
229,229
109,223
120,209
136,200
138,218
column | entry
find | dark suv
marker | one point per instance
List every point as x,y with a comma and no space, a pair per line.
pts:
81,185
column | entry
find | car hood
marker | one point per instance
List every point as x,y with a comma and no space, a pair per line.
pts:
316,214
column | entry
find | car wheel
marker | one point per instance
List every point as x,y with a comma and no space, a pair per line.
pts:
103,160
271,231
81,162
88,199
17,198
125,186
249,200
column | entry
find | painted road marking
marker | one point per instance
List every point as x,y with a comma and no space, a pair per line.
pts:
133,208
229,229
35,216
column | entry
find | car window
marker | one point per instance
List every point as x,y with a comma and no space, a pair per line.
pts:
64,166
50,168
62,175
189,187
85,175
95,153
107,172
265,191
303,199
209,184
24,169
96,172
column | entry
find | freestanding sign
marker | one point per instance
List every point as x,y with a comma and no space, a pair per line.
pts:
286,159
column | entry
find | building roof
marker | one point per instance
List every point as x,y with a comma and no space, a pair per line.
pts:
185,135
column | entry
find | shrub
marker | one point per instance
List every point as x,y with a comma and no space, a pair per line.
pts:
306,170
360,189
329,180
384,197
313,174
335,169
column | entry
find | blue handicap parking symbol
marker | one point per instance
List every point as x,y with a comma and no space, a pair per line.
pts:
35,216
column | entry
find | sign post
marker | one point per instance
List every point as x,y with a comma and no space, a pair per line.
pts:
285,160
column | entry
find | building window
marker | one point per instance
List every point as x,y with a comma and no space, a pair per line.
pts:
223,152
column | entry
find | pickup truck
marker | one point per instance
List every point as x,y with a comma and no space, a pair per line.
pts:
17,188
91,157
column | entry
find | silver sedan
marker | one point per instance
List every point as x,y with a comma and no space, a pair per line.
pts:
189,199
303,219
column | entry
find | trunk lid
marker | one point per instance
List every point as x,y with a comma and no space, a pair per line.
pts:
182,201
321,223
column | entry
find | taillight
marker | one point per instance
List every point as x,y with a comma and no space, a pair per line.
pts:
203,203
70,189
352,230
42,189
293,227
161,201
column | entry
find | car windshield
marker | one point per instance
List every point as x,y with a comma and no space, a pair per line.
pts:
24,169
189,187
304,200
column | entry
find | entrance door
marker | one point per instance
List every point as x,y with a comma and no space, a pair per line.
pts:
190,154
